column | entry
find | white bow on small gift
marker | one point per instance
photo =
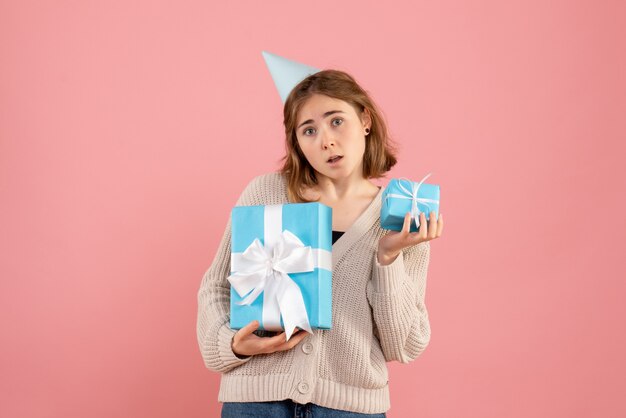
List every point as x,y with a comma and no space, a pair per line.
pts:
412,195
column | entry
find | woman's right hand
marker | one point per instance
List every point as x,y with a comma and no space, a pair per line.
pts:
245,343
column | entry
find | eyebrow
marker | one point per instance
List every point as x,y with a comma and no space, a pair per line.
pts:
327,114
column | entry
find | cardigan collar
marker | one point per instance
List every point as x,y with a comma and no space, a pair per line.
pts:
360,226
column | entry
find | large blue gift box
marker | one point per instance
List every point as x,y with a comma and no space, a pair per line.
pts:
281,266
402,196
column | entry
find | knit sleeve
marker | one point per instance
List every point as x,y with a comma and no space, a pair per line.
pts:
396,294
213,322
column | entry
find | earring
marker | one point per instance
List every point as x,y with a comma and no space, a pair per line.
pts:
367,131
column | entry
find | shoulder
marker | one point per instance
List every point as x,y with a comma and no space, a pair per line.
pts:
265,182
264,189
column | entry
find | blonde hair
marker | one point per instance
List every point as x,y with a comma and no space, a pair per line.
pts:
380,152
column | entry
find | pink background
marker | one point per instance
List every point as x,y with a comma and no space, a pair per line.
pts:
128,130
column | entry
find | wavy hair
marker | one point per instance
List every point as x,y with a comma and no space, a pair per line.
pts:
380,152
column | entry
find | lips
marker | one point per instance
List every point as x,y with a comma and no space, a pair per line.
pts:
334,158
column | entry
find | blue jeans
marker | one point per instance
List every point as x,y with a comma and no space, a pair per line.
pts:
286,409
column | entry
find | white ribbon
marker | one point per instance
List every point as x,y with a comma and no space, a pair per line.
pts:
266,269
412,194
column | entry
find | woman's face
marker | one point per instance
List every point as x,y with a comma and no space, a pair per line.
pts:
327,127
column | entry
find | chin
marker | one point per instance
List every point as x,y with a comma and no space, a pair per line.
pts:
335,173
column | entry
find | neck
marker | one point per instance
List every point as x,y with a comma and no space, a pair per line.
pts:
342,188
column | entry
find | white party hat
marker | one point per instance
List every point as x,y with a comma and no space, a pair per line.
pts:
286,73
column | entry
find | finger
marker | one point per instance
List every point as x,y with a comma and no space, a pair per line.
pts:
301,336
281,338
276,339
248,329
277,342
432,226
296,331
439,226
293,341
406,226
423,232
269,344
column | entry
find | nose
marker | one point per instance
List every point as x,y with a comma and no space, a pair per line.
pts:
327,140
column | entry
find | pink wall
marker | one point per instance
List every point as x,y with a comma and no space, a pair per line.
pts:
128,129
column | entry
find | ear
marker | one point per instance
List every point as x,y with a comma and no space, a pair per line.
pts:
366,118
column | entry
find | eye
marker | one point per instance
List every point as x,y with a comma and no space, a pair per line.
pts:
338,119
306,130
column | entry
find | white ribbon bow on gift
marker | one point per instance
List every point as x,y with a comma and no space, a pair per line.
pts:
412,194
266,269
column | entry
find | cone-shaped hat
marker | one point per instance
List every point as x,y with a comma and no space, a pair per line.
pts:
286,73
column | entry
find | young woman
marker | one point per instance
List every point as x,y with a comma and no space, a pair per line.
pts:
336,141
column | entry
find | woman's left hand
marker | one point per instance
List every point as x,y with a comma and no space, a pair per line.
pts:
393,242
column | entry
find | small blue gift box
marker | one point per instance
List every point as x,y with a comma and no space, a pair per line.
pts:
281,266
402,196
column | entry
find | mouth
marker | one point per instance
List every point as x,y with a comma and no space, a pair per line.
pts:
334,159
